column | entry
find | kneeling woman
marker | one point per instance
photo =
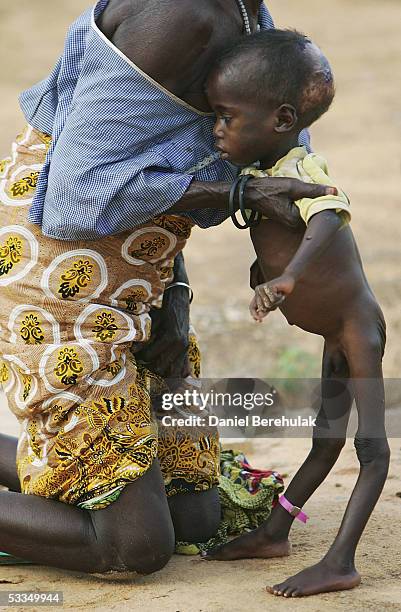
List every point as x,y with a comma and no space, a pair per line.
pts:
70,312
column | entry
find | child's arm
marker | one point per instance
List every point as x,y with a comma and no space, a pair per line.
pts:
321,230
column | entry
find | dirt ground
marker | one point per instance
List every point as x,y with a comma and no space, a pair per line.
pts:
360,136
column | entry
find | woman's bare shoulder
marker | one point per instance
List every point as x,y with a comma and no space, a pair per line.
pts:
135,22
162,37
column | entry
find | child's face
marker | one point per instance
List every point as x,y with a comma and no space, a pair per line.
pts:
244,132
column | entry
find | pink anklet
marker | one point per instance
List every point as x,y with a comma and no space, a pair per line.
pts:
293,510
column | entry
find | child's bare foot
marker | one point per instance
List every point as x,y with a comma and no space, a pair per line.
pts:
319,578
253,545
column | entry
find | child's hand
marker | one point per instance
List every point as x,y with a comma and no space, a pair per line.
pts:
270,295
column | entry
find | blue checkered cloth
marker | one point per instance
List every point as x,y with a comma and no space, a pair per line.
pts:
123,148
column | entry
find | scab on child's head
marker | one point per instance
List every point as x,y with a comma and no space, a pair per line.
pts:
265,90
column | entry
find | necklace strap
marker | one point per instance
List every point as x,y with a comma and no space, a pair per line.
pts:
245,16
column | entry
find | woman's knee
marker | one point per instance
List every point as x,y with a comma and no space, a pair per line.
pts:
148,555
145,551
136,532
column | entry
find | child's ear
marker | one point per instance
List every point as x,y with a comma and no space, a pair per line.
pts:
286,118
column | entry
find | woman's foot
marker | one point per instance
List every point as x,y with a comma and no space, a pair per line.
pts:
253,545
319,578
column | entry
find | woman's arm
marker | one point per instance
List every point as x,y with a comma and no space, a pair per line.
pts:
166,353
273,197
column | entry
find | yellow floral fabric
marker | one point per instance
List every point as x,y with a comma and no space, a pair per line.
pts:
69,313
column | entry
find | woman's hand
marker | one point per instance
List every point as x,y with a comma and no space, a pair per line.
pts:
270,295
275,197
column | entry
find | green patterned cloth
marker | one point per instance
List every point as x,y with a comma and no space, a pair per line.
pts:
246,496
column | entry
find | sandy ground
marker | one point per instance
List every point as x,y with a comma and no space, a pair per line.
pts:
188,584
361,138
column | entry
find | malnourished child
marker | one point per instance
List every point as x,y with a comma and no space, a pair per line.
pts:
264,92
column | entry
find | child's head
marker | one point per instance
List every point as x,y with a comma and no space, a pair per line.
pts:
264,91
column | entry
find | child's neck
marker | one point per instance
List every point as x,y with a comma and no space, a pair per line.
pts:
280,151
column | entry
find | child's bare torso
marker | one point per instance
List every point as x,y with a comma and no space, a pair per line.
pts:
332,291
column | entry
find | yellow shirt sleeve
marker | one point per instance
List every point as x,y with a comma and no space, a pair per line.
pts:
313,169
310,168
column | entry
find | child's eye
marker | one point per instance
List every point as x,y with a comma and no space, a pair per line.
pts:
226,119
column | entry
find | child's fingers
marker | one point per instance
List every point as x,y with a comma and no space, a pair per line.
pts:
253,308
260,315
267,304
257,317
273,297
257,313
271,293
267,296
260,305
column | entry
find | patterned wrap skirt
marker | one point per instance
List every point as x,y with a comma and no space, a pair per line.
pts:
69,313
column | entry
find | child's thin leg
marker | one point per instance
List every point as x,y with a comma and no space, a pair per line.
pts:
271,539
364,347
134,533
8,468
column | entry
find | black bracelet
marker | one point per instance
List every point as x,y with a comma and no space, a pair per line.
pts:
255,216
231,203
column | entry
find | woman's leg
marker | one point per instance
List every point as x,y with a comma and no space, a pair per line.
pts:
8,469
271,538
134,533
196,516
